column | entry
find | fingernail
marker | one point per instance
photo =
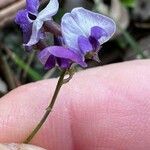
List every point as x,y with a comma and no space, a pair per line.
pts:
19,147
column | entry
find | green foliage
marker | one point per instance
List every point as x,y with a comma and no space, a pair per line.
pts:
128,3
31,72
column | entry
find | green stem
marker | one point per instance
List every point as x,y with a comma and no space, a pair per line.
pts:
49,108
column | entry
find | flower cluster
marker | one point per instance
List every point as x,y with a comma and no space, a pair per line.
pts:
82,33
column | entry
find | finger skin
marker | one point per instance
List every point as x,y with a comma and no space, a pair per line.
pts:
106,108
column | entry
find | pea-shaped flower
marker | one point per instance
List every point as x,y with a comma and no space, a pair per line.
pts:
83,33
31,21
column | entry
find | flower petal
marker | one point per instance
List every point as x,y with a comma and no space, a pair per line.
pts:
87,19
84,44
47,59
63,63
25,24
43,56
50,63
71,31
45,15
98,32
61,52
50,10
36,33
32,6
95,43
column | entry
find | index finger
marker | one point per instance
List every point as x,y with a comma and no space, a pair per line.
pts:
101,108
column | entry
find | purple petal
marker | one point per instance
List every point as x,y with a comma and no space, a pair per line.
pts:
95,43
98,32
50,63
32,6
84,44
63,63
43,56
47,59
65,53
25,24
86,20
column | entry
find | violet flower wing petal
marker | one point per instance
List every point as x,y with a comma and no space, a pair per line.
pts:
87,19
49,60
95,43
64,63
32,6
61,52
45,15
46,59
25,24
71,31
84,44
43,56
50,63
98,32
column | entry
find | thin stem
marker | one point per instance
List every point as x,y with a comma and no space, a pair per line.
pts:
53,27
49,108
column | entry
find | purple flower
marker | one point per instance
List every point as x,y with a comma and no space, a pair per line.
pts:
83,32
31,21
59,55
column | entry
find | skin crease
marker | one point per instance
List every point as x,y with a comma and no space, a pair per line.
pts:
105,108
